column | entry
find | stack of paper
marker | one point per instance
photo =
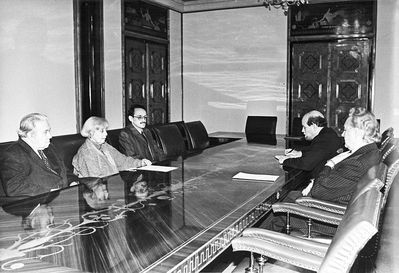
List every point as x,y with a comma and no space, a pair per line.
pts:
255,177
154,168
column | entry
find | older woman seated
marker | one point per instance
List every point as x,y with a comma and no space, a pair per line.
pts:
96,158
339,178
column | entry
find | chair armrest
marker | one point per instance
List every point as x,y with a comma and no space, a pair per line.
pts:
291,252
321,204
308,212
315,247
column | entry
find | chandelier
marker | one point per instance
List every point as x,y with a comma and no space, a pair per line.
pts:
284,4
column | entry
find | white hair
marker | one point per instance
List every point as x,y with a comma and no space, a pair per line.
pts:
92,124
28,123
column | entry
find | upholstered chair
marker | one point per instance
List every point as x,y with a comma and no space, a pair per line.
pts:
357,227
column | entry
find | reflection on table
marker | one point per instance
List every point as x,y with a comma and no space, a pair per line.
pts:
144,221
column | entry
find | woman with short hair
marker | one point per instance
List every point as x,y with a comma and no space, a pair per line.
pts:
96,158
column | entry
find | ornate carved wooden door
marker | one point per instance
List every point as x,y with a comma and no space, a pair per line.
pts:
350,69
135,67
309,72
146,78
157,76
330,77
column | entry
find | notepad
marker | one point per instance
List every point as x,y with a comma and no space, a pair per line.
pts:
156,168
255,177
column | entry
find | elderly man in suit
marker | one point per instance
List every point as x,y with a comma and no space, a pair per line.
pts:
136,140
338,180
31,165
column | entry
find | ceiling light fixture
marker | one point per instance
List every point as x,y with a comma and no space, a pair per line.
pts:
284,4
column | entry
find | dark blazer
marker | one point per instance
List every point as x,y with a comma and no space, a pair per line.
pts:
323,147
23,172
338,184
133,144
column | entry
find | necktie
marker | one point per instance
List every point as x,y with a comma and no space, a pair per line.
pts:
148,146
45,160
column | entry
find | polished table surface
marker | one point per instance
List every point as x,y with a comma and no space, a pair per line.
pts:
179,223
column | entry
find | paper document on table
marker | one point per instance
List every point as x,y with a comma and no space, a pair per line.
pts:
255,177
156,168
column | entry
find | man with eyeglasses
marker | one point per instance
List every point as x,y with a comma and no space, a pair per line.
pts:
136,140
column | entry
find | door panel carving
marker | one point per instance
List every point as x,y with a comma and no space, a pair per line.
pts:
157,77
349,79
146,78
330,77
135,75
309,79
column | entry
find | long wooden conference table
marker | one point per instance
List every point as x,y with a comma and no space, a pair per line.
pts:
177,221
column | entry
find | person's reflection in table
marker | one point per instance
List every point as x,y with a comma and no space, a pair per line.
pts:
39,219
146,185
96,193
140,188
36,212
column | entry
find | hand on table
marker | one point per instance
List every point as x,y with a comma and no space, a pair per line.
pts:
145,162
281,158
291,153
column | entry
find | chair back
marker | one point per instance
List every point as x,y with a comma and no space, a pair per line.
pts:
197,135
391,156
386,136
370,251
170,139
261,129
387,149
373,178
358,226
393,168
183,131
113,138
67,146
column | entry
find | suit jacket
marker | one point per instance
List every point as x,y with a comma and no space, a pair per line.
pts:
338,184
133,144
94,160
323,147
23,172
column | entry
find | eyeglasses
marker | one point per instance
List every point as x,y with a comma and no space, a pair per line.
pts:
141,117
